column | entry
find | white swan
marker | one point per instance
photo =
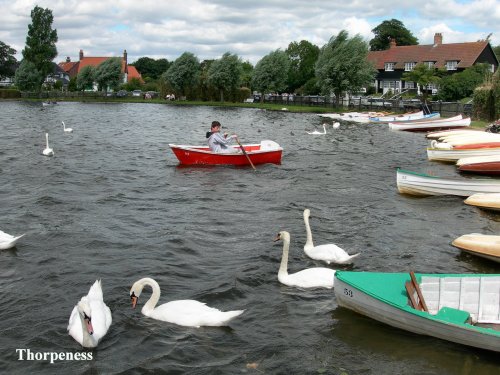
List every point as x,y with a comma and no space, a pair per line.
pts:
7,241
90,318
189,313
330,253
441,145
47,151
67,130
336,125
317,277
318,132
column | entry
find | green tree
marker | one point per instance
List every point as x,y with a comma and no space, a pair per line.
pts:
423,76
7,61
496,50
392,29
271,73
303,57
342,65
28,77
86,78
41,41
183,74
151,68
108,74
462,85
224,73
246,74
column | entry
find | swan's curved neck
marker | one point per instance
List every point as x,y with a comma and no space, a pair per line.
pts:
284,258
155,296
47,139
309,240
88,341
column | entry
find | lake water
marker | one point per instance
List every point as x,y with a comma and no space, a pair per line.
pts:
112,204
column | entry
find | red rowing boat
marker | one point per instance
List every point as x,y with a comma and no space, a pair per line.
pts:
264,152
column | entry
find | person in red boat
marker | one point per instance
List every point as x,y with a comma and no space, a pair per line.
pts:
220,143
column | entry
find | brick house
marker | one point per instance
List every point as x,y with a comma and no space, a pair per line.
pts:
73,68
454,57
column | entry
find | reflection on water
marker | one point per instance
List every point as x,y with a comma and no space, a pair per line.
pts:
113,204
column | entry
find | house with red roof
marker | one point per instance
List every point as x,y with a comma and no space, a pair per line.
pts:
453,57
73,68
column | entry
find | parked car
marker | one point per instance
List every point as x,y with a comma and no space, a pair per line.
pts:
122,93
137,93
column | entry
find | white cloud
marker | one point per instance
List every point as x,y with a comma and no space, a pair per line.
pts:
251,29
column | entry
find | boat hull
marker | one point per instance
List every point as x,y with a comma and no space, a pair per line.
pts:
485,201
420,184
485,246
452,155
486,168
400,315
195,155
431,125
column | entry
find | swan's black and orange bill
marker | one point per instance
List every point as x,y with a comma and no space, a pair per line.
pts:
134,299
277,238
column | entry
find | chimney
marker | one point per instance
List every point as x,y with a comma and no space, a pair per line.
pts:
81,54
125,60
438,39
392,44
68,59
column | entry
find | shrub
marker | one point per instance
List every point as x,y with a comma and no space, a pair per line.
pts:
9,93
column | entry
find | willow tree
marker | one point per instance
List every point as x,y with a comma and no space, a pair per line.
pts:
342,65
184,73
108,74
271,73
41,40
225,73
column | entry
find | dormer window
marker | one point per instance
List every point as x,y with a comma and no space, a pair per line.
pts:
389,66
451,65
429,64
409,66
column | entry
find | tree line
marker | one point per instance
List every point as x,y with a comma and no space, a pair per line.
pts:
338,67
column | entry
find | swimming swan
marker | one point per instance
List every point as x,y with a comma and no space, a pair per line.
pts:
336,125
189,313
67,130
7,241
47,151
330,253
318,132
90,318
317,277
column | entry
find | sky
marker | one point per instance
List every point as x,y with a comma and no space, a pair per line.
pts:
250,29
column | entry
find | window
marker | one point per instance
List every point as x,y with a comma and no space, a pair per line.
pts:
492,68
429,64
409,85
409,66
389,66
389,84
451,65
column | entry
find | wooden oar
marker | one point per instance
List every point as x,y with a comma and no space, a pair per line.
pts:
245,153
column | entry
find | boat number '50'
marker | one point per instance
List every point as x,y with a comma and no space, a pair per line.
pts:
348,292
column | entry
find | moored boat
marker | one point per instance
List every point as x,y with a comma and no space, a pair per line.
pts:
438,153
403,117
265,152
421,184
461,308
438,124
487,201
482,245
487,165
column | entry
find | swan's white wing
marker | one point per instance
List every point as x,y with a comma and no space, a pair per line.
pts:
318,277
327,252
95,291
101,318
75,326
7,241
192,313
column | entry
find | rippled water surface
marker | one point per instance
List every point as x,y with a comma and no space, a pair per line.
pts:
113,204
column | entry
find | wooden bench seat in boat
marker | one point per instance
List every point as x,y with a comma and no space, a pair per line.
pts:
478,296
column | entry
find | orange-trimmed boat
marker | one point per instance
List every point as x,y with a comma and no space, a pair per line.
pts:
261,153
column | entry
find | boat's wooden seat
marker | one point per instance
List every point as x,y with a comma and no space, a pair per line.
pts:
479,296
414,294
